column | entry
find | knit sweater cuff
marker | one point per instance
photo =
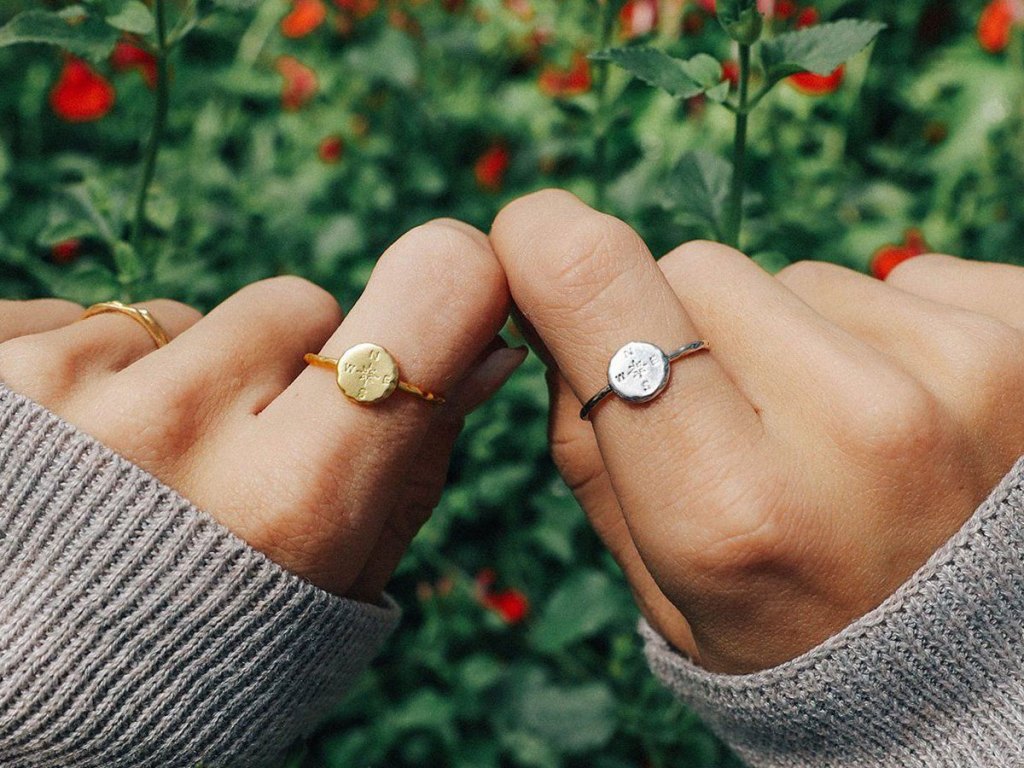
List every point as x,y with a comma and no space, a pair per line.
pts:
932,677
136,631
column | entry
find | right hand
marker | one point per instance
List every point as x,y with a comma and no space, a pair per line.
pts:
839,431
229,415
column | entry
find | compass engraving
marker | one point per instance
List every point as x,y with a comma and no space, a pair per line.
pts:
367,373
638,372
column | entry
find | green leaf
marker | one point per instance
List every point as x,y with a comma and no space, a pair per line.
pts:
65,229
85,284
133,17
583,606
72,30
819,49
571,719
699,188
681,78
126,260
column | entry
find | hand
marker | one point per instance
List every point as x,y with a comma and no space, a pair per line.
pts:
229,415
839,431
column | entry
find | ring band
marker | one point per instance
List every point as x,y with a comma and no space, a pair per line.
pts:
368,373
639,372
142,316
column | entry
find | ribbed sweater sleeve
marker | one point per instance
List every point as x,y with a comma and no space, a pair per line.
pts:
135,631
933,677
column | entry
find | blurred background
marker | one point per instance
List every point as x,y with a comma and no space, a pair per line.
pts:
305,136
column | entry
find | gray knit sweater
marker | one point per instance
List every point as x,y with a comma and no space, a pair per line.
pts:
932,677
135,631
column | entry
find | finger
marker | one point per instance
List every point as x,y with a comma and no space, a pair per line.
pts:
112,341
67,363
430,469
196,393
578,458
587,284
989,289
23,318
803,371
969,361
435,300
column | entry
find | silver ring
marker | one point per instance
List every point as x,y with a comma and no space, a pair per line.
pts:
639,372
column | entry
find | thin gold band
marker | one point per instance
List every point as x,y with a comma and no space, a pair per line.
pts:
331,363
142,316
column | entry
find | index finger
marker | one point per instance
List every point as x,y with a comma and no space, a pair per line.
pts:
588,285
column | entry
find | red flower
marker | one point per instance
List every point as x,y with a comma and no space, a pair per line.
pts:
807,17
639,17
555,81
818,85
128,56
708,5
66,251
358,8
491,166
511,604
996,24
304,17
331,149
300,82
731,72
887,257
784,9
81,94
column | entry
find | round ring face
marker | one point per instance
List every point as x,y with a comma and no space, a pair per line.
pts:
367,373
638,372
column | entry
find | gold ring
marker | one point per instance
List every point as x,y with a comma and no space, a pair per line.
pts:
142,316
368,373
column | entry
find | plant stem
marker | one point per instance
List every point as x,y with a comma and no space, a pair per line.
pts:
734,221
601,120
156,135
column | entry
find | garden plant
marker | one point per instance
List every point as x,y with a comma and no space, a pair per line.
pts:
186,148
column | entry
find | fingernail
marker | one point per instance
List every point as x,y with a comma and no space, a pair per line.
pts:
490,375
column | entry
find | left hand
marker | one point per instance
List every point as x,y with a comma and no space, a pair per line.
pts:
229,415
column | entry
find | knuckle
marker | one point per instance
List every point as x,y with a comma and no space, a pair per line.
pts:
450,261
171,308
750,536
524,207
61,308
593,253
903,422
307,298
990,357
699,257
912,271
808,274
38,369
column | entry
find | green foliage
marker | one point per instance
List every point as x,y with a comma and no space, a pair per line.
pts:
682,78
818,49
741,20
73,29
699,187
930,135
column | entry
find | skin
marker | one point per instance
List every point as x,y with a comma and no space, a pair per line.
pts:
839,431
229,415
